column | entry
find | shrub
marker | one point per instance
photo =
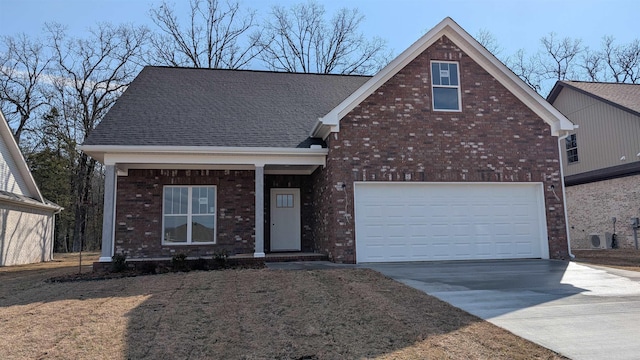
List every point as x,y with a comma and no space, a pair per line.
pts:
220,258
179,262
118,263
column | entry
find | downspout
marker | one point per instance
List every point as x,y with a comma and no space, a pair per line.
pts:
564,195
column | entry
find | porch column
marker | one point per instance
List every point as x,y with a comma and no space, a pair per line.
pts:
259,211
108,217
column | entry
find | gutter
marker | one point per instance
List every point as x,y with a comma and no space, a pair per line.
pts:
201,150
34,204
564,195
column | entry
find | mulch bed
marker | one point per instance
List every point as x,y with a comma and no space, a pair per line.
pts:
143,271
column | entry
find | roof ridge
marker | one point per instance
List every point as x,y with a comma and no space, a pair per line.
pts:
596,82
252,71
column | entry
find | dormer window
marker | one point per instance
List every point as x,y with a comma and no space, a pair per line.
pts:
445,85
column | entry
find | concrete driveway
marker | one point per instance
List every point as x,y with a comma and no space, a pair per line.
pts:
579,311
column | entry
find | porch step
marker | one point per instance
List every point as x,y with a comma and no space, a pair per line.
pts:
295,256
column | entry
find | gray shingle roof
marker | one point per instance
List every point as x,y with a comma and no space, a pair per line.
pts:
626,96
203,107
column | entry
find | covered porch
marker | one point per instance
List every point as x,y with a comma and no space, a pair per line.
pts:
281,185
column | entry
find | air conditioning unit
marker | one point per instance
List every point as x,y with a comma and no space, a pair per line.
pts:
600,241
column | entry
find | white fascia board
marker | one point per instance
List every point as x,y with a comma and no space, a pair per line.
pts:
207,159
123,169
205,155
473,49
14,149
199,149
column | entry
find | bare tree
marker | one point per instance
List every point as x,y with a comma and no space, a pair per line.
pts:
212,37
527,68
300,39
622,61
90,74
567,59
559,56
489,41
23,65
592,64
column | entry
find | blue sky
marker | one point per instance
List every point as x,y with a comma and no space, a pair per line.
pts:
515,23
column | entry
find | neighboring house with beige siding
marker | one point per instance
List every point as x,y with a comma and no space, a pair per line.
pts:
27,220
601,160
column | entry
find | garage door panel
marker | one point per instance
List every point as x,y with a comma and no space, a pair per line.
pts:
481,228
437,221
484,249
523,248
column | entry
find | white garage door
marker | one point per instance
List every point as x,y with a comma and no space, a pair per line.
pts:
449,221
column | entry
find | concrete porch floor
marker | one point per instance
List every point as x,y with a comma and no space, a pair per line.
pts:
286,256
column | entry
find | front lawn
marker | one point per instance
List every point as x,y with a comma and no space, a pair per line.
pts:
241,314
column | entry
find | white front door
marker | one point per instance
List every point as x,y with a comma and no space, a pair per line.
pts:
285,219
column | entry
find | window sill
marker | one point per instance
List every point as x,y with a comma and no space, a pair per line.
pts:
187,243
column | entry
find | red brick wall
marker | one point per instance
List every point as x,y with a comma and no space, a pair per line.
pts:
139,212
395,136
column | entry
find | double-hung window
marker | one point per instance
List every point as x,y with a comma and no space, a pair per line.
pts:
189,215
445,86
572,148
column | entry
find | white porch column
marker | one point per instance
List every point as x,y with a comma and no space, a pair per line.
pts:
259,211
108,218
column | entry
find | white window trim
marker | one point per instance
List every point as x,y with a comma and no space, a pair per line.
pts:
189,215
433,100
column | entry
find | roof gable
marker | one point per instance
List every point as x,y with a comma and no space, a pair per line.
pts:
449,28
15,176
623,96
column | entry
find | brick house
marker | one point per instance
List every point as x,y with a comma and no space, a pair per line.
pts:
601,161
444,154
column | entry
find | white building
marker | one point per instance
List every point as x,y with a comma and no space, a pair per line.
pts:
27,220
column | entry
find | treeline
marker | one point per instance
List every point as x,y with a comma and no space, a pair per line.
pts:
55,88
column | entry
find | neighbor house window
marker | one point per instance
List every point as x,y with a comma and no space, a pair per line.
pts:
445,84
572,148
189,215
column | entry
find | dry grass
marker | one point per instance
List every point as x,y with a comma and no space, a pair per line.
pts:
626,259
240,314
